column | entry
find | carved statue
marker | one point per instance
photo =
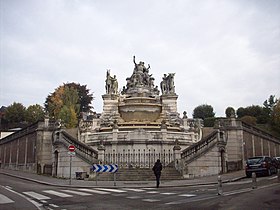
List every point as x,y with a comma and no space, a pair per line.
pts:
111,84
167,84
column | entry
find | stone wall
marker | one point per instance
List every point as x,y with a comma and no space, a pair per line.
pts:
205,165
63,168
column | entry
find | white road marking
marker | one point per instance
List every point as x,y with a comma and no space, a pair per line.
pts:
187,195
94,191
150,200
36,195
53,205
134,197
111,190
134,190
153,192
274,177
76,192
37,205
168,193
4,199
59,194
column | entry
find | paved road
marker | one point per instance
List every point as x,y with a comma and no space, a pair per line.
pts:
29,195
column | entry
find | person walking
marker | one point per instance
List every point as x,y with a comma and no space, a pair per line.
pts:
157,171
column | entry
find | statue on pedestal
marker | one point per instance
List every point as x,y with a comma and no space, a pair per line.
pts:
111,84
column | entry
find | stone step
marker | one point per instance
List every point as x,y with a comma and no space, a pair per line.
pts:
139,174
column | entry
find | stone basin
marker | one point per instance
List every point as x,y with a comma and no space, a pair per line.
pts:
140,109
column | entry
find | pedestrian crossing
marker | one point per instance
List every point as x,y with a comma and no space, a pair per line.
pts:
149,195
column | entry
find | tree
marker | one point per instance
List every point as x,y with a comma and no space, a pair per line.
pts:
34,113
275,116
230,112
203,111
241,112
249,119
15,113
64,104
85,98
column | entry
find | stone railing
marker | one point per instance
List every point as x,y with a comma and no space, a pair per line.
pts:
198,148
82,150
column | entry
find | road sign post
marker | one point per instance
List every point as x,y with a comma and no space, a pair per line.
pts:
111,168
71,152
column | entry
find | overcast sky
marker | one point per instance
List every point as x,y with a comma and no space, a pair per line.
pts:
223,53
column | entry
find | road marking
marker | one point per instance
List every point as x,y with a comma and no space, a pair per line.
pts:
53,205
37,205
76,192
134,190
36,195
153,192
187,195
4,199
111,190
168,193
150,200
134,197
59,194
94,191
237,191
274,177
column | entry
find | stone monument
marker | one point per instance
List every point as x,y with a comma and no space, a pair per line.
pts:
138,125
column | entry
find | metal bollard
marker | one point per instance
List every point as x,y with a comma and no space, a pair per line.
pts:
220,189
254,180
278,175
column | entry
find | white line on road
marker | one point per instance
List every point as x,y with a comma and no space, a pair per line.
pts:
111,190
153,192
94,191
187,195
134,190
150,200
4,199
168,193
134,197
36,195
53,205
76,192
37,205
59,194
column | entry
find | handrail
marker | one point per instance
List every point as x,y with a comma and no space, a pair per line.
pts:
199,146
82,149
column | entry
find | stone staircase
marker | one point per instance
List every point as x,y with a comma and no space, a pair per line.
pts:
140,174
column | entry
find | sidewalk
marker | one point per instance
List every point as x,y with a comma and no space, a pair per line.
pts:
48,180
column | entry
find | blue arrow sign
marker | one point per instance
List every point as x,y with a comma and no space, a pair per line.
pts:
112,168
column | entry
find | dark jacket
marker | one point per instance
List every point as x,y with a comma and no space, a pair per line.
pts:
157,168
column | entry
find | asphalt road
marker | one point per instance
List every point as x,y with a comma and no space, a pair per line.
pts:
20,194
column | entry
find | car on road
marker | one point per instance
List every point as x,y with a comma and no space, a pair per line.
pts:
276,162
261,165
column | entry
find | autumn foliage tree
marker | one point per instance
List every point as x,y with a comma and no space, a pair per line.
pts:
67,102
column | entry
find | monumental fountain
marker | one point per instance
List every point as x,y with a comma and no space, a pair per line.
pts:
138,125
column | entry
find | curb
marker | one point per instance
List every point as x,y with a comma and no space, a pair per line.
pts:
106,186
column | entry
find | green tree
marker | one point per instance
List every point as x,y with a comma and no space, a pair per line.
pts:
275,117
34,113
85,97
15,113
230,111
68,116
249,119
241,112
203,111
64,104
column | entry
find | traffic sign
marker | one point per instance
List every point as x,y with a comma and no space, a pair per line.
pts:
71,148
72,153
112,168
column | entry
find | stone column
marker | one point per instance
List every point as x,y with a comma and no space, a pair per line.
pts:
177,156
101,153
